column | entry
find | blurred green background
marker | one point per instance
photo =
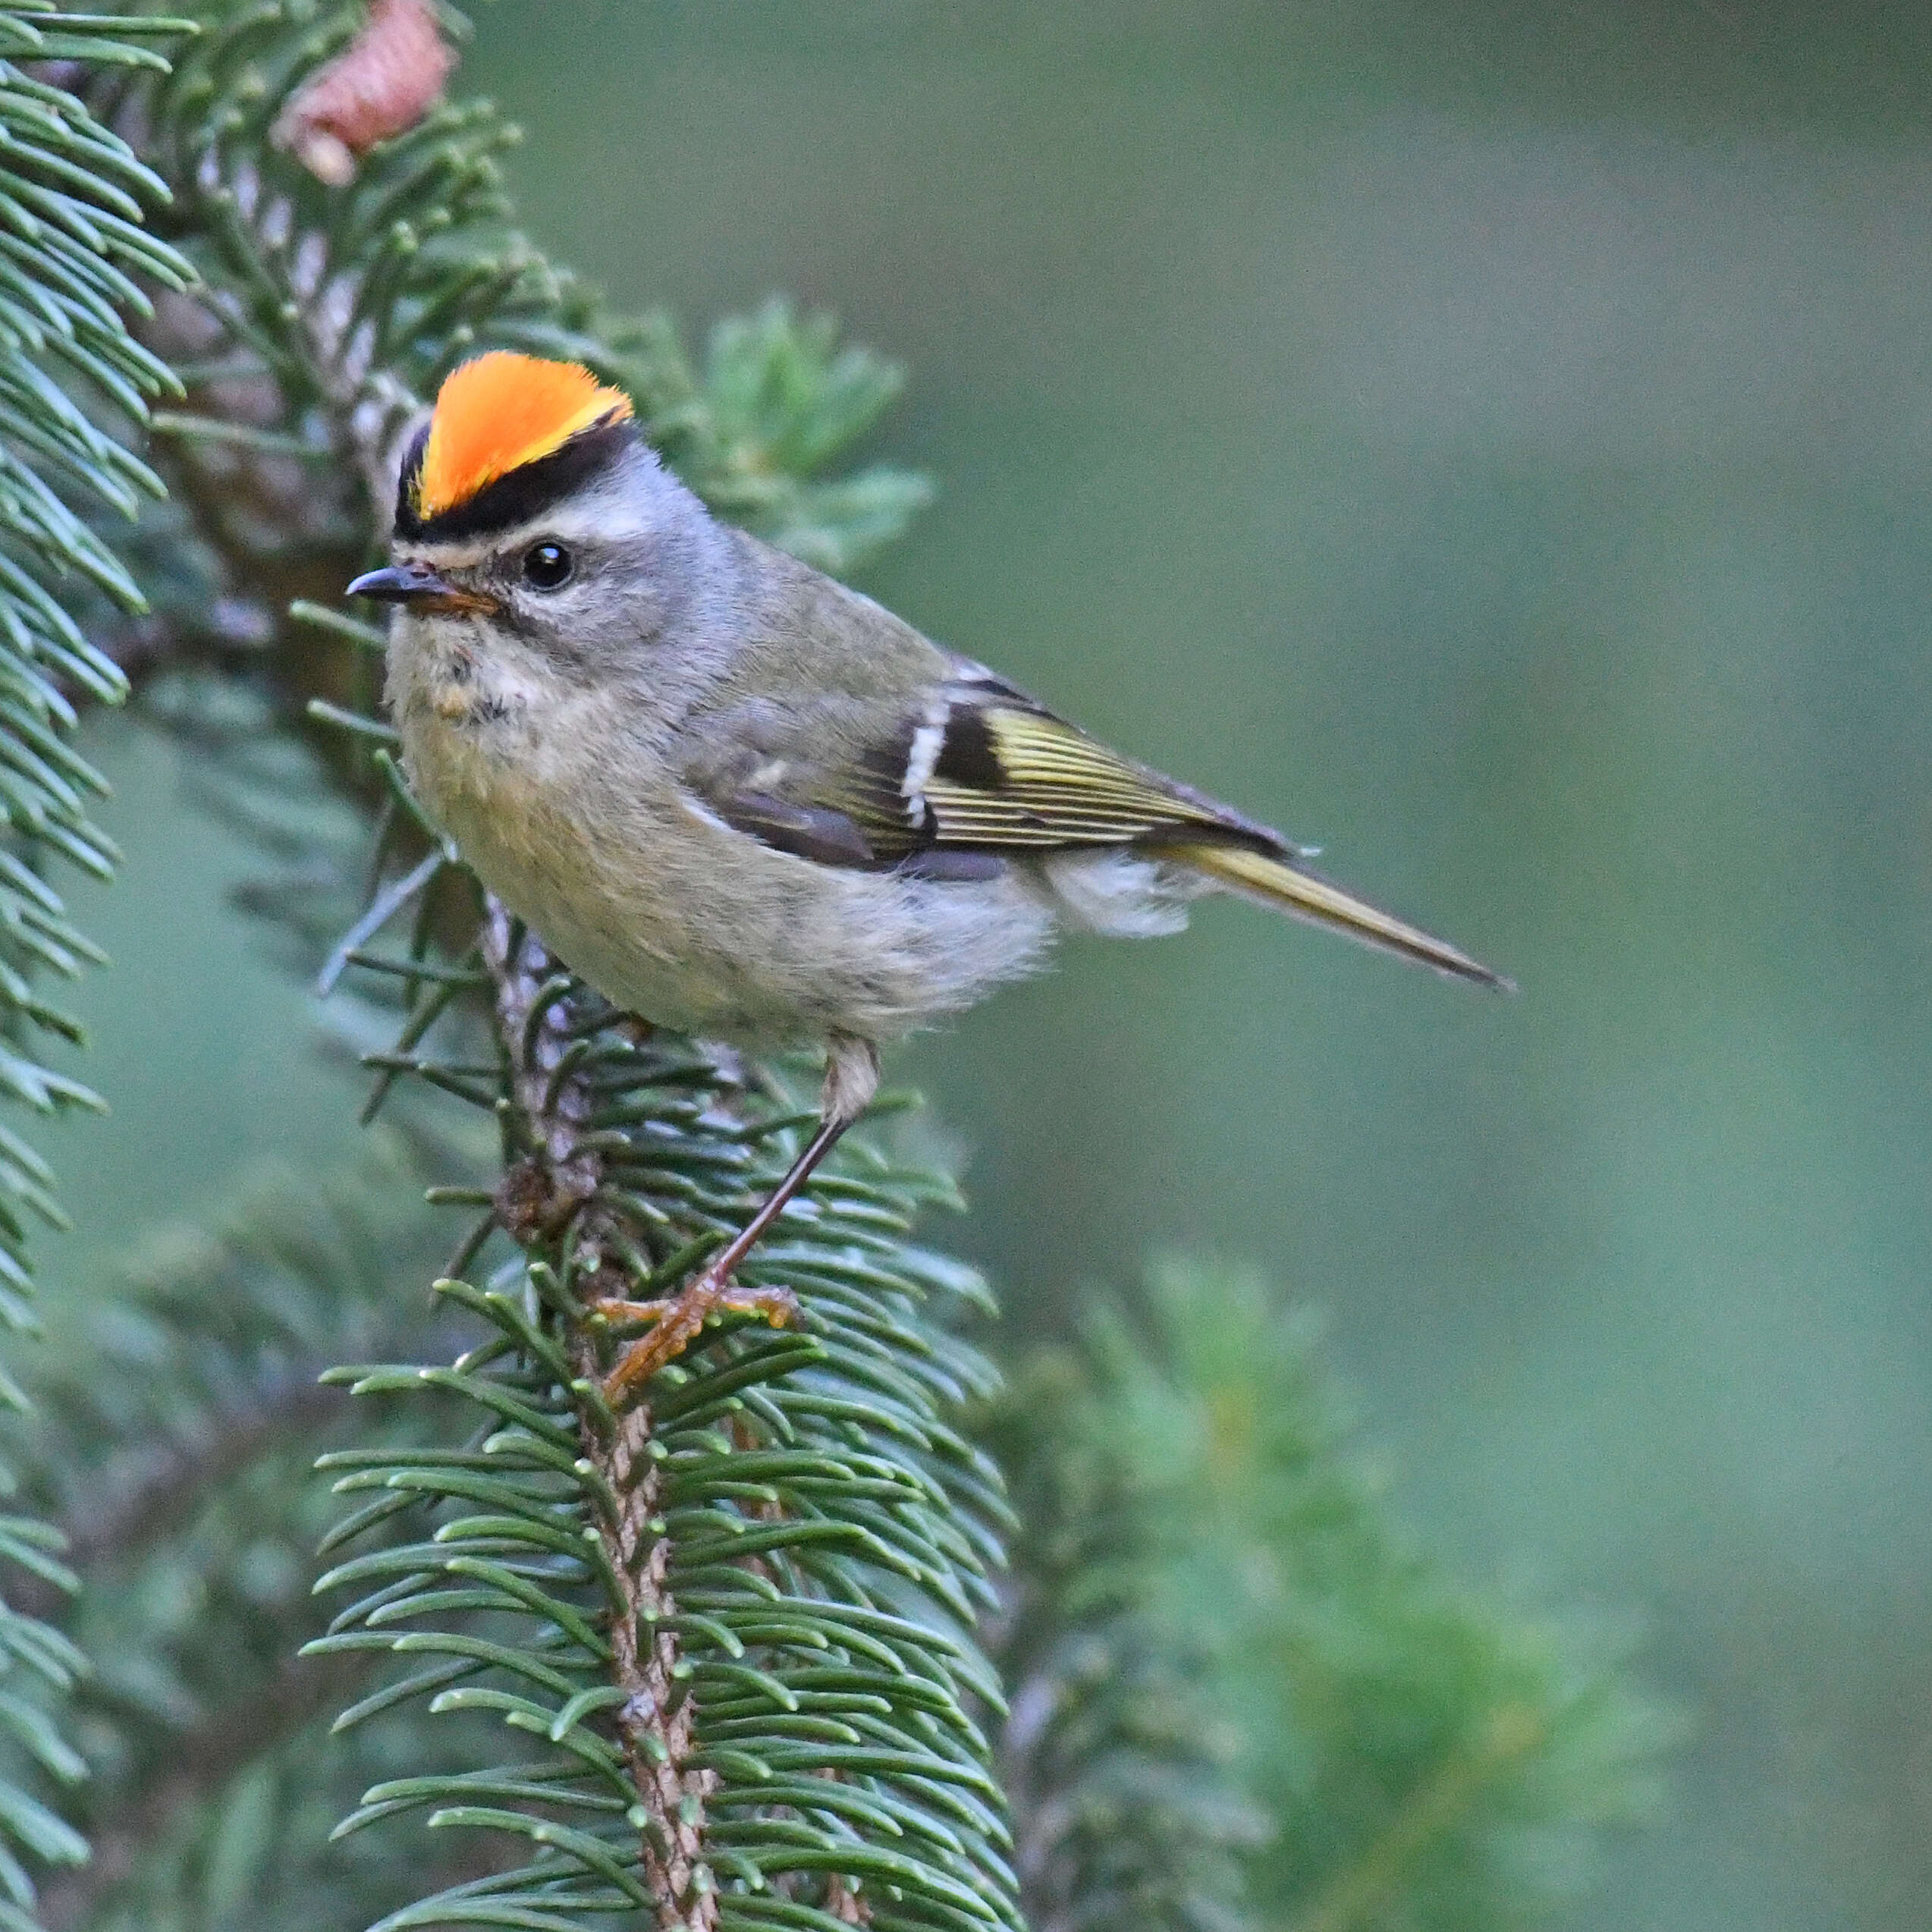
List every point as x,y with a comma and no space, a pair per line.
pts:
1490,440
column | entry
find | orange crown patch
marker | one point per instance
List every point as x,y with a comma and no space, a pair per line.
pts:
500,412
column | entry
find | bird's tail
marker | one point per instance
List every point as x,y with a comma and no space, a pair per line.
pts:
1306,895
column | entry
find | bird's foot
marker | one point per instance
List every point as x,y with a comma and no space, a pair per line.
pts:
677,1321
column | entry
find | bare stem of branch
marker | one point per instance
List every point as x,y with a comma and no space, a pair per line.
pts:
550,1193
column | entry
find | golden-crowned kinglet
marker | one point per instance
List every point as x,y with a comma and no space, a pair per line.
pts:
739,799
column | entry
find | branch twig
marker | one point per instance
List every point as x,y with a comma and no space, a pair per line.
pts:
550,1187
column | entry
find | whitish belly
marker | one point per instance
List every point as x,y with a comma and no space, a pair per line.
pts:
674,916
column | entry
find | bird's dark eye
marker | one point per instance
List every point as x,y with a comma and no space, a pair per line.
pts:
547,566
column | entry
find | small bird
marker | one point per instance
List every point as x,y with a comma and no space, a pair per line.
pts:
741,801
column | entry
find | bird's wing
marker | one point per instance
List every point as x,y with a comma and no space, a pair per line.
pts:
975,772
971,767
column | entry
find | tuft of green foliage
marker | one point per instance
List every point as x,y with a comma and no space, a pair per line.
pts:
739,1618
780,401
177,1412
74,260
1129,1807
1429,1758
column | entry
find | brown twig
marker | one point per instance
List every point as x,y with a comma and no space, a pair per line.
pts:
551,1190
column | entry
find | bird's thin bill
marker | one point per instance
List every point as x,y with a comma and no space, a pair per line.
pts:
414,585
398,584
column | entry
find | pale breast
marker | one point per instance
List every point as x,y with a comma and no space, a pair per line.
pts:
574,820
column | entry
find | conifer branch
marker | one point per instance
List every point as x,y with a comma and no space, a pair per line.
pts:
73,254
1128,1807
1421,1752
767,1572
711,1661
654,1719
1354,1896
202,1364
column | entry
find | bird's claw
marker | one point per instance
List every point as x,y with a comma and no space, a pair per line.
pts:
677,1321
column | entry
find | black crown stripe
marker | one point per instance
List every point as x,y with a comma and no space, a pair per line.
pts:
515,498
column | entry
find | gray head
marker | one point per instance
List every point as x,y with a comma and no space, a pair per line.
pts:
531,515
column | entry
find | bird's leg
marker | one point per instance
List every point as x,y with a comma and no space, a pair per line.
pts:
851,1079
678,1321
